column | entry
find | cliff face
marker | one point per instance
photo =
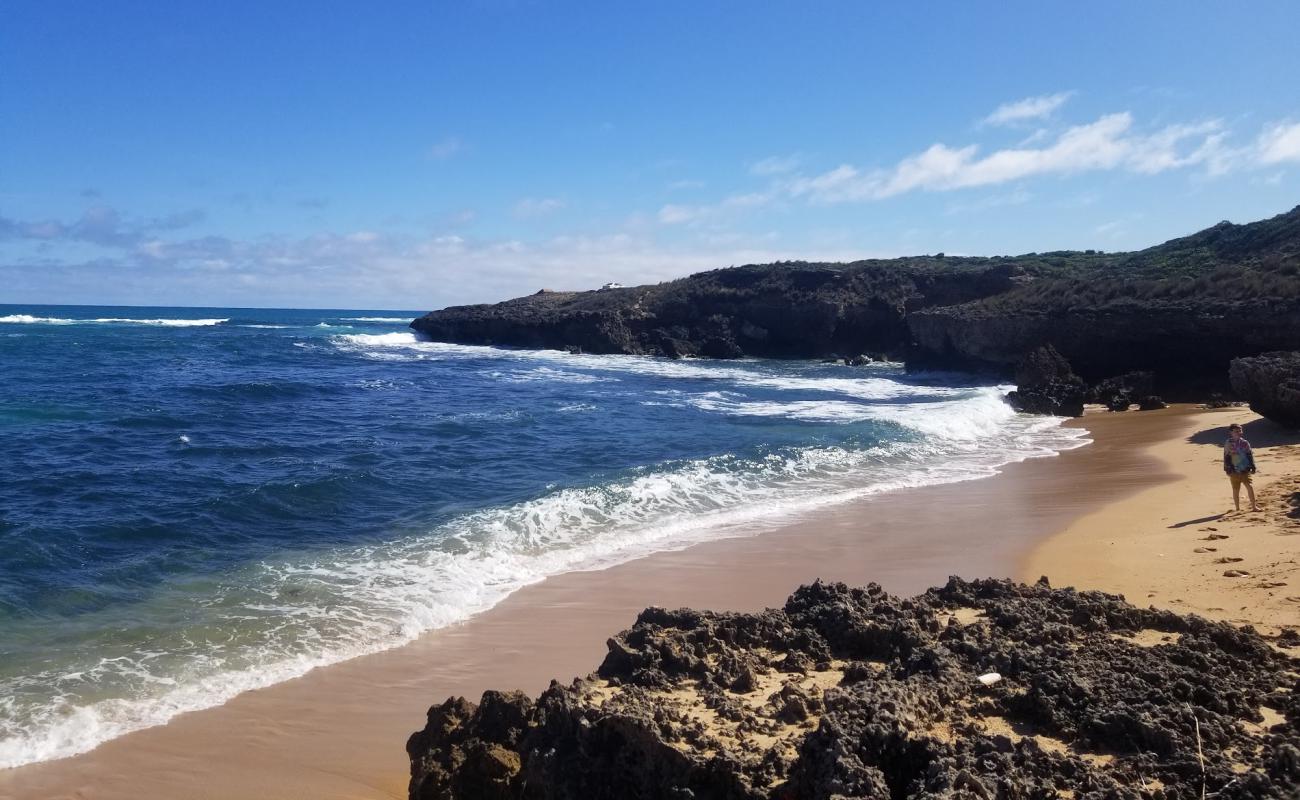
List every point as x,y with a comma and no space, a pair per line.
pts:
1185,345
780,310
855,693
1181,309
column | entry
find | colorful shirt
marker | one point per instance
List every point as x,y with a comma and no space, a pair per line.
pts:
1237,456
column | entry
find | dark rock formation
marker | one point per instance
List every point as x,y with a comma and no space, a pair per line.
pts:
1121,391
1045,384
788,310
1151,403
1271,384
1182,309
855,693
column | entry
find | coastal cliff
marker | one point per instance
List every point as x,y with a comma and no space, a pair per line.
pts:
784,310
1181,310
975,690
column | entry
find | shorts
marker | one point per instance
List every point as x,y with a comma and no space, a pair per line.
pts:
1239,479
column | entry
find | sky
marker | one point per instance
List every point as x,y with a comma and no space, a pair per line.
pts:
414,155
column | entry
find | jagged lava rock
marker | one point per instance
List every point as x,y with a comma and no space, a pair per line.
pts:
1271,384
1045,384
856,693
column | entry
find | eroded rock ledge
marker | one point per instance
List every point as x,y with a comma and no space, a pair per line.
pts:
856,693
1271,383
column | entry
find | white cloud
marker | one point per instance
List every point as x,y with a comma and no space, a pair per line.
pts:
446,148
538,206
674,214
776,165
1030,108
388,270
677,214
1279,144
1107,144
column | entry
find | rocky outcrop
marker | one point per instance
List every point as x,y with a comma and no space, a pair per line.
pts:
976,690
792,310
1187,345
1180,310
1045,384
1271,384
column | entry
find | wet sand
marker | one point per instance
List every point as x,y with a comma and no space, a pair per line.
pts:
339,732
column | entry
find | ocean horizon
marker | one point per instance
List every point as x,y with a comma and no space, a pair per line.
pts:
201,501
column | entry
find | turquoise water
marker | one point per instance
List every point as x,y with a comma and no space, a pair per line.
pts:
195,502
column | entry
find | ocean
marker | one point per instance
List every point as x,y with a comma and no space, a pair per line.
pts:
195,502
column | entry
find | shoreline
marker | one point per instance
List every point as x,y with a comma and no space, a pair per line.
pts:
338,731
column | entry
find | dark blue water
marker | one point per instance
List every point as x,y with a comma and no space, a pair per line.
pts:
194,502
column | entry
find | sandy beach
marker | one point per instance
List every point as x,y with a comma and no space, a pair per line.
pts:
1181,545
1128,514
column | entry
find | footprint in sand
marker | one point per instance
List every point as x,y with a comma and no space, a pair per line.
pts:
1236,573
1206,550
1293,599
1273,584
1228,560
1214,537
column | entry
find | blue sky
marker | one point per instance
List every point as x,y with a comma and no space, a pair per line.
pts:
415,155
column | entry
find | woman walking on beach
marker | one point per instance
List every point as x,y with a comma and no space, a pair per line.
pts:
1239,463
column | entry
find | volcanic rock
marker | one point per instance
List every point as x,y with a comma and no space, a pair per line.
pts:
1045,384
1097,699
1151,403
1271,383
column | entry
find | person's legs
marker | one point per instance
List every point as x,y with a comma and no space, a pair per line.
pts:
1236,489
1250,491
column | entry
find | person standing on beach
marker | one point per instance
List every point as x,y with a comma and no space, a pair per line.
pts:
1239,463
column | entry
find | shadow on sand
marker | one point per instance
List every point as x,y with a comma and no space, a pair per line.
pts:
1260,433
1198,521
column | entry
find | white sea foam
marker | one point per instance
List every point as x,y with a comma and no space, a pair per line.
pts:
548,375
871,383
311,610
394,320
27,319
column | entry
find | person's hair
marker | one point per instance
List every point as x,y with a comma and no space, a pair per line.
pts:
1234,427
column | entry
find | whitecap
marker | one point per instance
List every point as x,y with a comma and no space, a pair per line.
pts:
27,319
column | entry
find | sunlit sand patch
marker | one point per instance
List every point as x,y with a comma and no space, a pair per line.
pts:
1017,731
1148,637
740,739
962,616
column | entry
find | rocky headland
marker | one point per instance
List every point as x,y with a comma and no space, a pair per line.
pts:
984,689
1178,312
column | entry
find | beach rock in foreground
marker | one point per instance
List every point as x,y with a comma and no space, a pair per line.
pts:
1271,383
856,693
